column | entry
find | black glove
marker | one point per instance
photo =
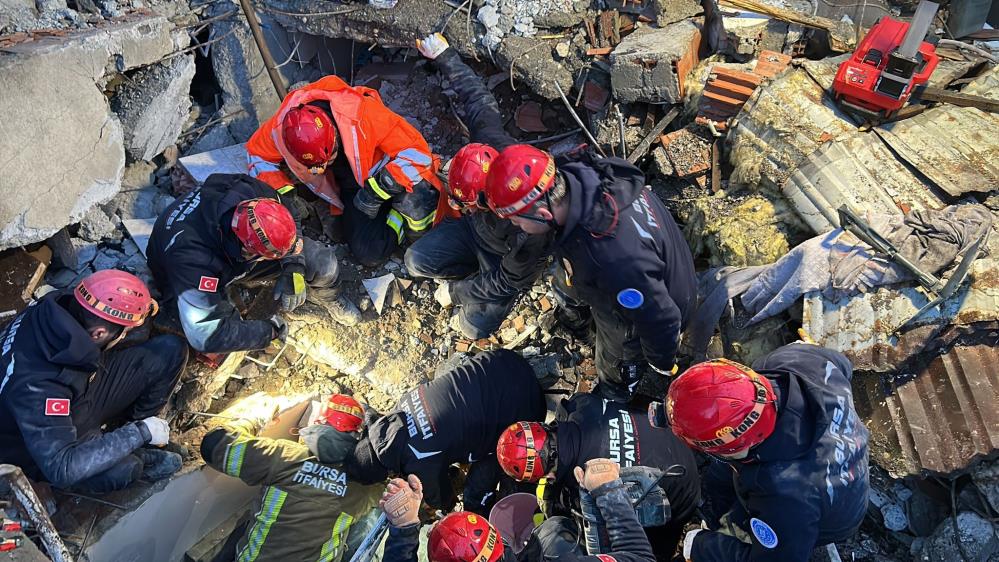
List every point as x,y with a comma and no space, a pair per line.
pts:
290,288
280,328
631,374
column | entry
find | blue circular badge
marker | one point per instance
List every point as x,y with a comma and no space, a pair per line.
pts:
763,533
630,298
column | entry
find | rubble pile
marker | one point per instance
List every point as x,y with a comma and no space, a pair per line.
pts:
731,115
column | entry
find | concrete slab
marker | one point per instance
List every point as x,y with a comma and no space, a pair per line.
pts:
140,230
228,160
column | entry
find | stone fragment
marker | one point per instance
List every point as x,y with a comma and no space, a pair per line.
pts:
95,225
378,289
651,64
153,106
672,11
986,478
978,538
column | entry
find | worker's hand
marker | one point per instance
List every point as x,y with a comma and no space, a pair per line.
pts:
279,329
443,294
290,288
159,430
688,542
432,45
598,472
669,373
401,501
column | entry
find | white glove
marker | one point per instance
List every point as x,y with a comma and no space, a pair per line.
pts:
688,542
443,294
159,430
432,45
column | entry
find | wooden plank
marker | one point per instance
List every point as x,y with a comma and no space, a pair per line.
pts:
643,147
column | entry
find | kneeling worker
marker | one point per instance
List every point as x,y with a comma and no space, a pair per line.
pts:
233,230
791,468
62,382
307,507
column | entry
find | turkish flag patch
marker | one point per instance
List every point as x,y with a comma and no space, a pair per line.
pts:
57,406
606,558
208,284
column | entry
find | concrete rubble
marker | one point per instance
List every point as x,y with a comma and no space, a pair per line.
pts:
738,133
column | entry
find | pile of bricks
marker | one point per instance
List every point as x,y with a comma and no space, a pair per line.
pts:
727,90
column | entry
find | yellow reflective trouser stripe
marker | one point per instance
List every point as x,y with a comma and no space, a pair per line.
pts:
332,547
234,454
285,189
378,189
270,507
541,492
421,223
395,221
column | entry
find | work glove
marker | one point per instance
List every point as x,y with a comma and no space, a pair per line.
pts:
443,294
669,373
401,501
598,472
290,288
688,543
159,430
631,374
432,45
280,328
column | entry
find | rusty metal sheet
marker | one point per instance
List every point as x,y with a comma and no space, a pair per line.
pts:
860,171
860,326
956,147
939,418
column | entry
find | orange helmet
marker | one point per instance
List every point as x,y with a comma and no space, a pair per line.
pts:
521,451
310,136
265,228
116,296
466,177
721,407
464,537
342,412
518,178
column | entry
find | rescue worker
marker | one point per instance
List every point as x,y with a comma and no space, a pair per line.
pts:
790,470
306,507
345,145
467,537
62,381
618,253
485,261
587,427
234,230
454,418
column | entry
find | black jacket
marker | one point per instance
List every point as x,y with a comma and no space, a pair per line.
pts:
619,240
589,428
807,484
456,418
194,256
627,539
524,255
46,363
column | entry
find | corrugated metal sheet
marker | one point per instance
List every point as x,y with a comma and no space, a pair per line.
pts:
858,170
939,419
956,147
860,327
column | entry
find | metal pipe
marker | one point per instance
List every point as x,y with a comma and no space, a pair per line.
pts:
265,52
579,121
35,510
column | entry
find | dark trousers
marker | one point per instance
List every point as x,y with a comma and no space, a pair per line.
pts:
617,341
450,251
559,538
132,384
372,240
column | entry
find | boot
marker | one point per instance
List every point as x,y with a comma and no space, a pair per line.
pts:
577,322
339,307
158,464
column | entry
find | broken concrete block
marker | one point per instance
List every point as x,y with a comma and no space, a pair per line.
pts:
378,289
672,11
977,536
228,160
651,64
153,106
81,144
96,225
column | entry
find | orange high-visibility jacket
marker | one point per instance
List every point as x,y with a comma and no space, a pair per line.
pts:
372,137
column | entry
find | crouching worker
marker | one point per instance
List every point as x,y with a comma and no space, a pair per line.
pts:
307,507
234,230
467,537
62,382
791,454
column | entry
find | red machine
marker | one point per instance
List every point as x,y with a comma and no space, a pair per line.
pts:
889,63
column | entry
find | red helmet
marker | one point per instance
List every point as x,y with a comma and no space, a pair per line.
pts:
721,407
342,412
310,136
116,296
521,451
466,177
464,537
518,177
265,227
